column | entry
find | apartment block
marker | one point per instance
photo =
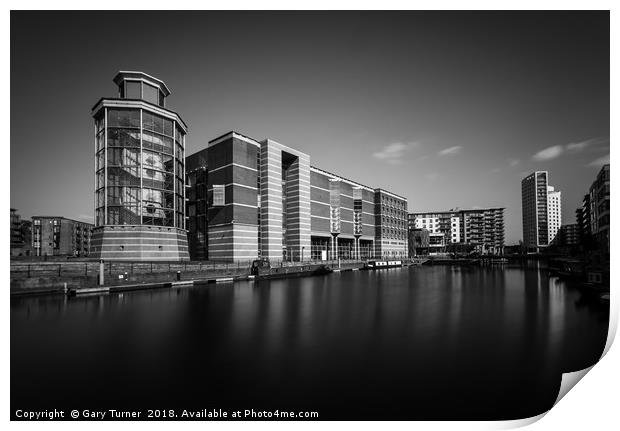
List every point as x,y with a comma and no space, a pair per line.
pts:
554,211
534,208
600,208
482,228
60,236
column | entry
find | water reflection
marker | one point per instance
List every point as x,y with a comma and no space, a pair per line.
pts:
416,343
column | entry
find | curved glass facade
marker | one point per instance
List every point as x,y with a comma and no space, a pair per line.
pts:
139,168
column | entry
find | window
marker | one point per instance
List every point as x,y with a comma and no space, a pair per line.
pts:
219,198
150,94
133,90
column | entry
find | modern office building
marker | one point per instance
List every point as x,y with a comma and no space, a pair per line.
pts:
554,211
139,173
342,217
391,221
60,236
264,199
534,207
482,228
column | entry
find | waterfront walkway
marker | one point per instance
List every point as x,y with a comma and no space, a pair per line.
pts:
58,277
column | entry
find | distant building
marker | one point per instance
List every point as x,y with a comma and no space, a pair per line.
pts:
447,223
583,216
593,216
569,235
21,235
391,224
17,241
59,236
554,211
436,243
534,210
600,208
482,228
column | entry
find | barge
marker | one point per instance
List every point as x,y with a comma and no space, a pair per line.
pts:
383,264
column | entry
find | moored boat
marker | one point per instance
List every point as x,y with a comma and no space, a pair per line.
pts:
383,264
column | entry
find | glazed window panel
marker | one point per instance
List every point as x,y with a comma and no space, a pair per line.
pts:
126,196
100,160
100,140
169,200
123,138
168,127
99,216
100,179
167,144
119,215
158,124
147,120
153,160
123,118
125,176
100,198
99,123
157,142
123,157
150,93
156,179
133,90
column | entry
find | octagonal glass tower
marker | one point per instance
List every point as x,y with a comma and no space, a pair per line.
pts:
139,174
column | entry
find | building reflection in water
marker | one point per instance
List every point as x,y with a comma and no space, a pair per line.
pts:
411,343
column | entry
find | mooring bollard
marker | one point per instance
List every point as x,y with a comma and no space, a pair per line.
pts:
101,272
178,275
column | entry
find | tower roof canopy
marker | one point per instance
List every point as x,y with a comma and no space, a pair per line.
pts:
124,75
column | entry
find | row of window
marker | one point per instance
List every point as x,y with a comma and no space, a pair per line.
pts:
131,196
141,90
130,215
395,203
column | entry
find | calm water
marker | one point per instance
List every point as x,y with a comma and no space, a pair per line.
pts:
411,343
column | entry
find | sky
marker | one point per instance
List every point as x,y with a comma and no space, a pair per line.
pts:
448,109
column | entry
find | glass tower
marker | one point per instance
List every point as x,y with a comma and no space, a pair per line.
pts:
139,173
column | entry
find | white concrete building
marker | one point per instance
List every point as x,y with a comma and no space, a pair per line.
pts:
554,212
